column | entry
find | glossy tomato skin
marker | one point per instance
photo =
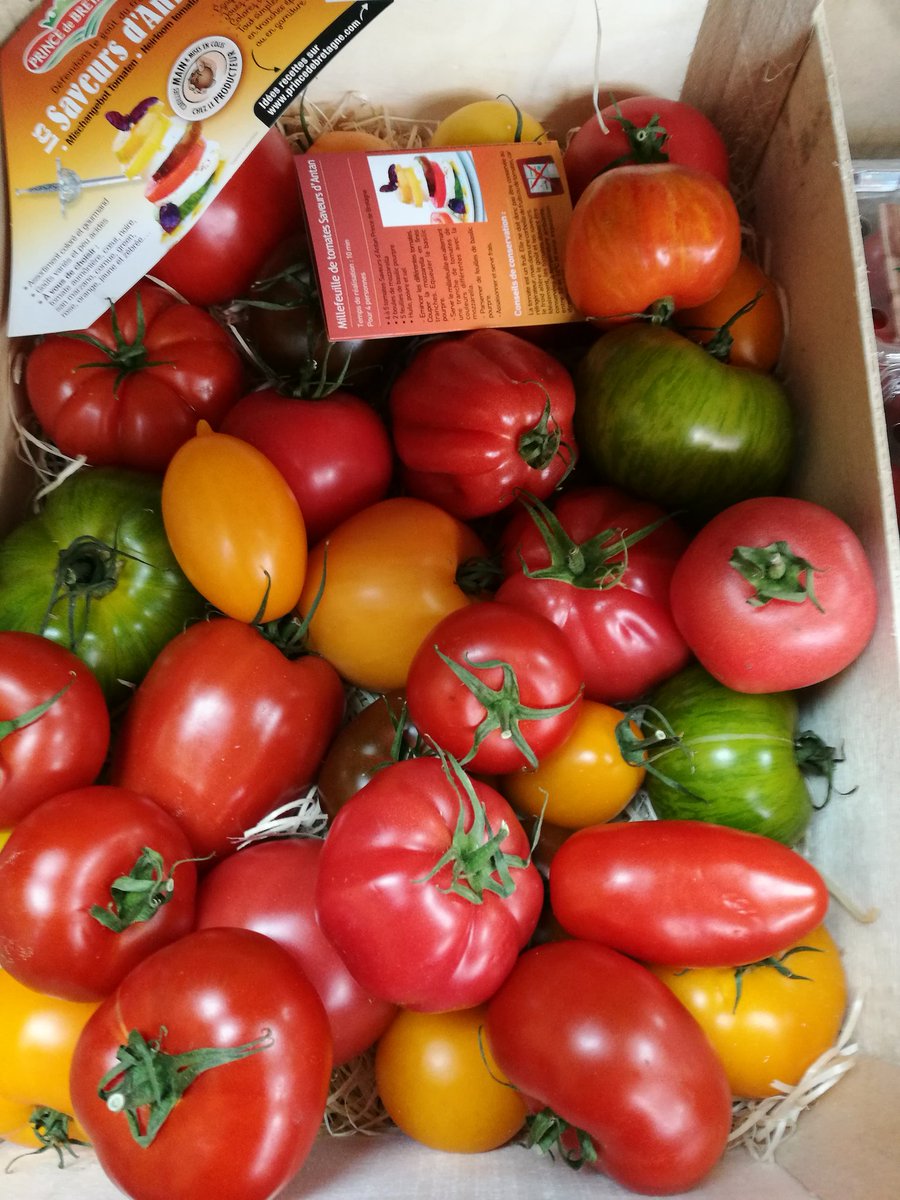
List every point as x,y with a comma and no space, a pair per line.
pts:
334,452
484,121
643,234
407,939
219,257
736,760
503,422
571,1013
756,337
391,576
781,644
690,139
360,748
270,887
59,862
245,1127
91,405
38,1035
122,594
619,623
659,417
771,1021
225,728
687,893
65,747
438,1081
447,711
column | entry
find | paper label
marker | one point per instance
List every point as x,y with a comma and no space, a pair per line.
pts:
419,242
102,182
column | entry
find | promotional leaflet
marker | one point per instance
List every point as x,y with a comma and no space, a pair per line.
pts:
123,120
419,242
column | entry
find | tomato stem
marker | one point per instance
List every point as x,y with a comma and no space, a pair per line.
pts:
51,1128
774,572
124,357
139,895
544,1132
147,1082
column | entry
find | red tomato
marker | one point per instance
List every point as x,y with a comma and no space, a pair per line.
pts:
639,235
334,452
240,1120
775,594
422,914
594,1038
54,723
685,892
610,601
640,130
219,257
270,887
224,728
479,416
134,394
496,686
85,891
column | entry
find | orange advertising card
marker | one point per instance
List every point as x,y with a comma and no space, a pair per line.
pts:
416,242
122,121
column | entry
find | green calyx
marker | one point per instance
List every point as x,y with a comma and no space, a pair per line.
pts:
124,357
644,736
12,724
503,707
597,564
544,1132
719,345
51,1128
539,445
476,855
139,895
775,573
773,962
147,1082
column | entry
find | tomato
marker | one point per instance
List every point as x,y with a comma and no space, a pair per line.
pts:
361,747
270,887
684,892
425,888
94,572
733,758
484,121
339,141
225,728
439,1083
658,416
753,339
640,235
495,685
242,1117
391,576
334,452
54,723
129,390
584,781
768,1021
38,1034
234,526
775,594
598,569
640,130
220,255
91,882
572,1013
479,416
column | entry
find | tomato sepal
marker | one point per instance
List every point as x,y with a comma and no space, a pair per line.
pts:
547,1133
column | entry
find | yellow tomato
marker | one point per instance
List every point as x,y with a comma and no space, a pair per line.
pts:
234,526
439,1083
585,781
485,121
338,141
389,577
37,1039
763,1024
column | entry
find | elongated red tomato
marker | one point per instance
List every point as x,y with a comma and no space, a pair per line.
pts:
642,234
241,1119
687,893
225,728
625,1077
425,887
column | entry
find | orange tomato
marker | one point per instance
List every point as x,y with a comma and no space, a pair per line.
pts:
756,336
338,141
